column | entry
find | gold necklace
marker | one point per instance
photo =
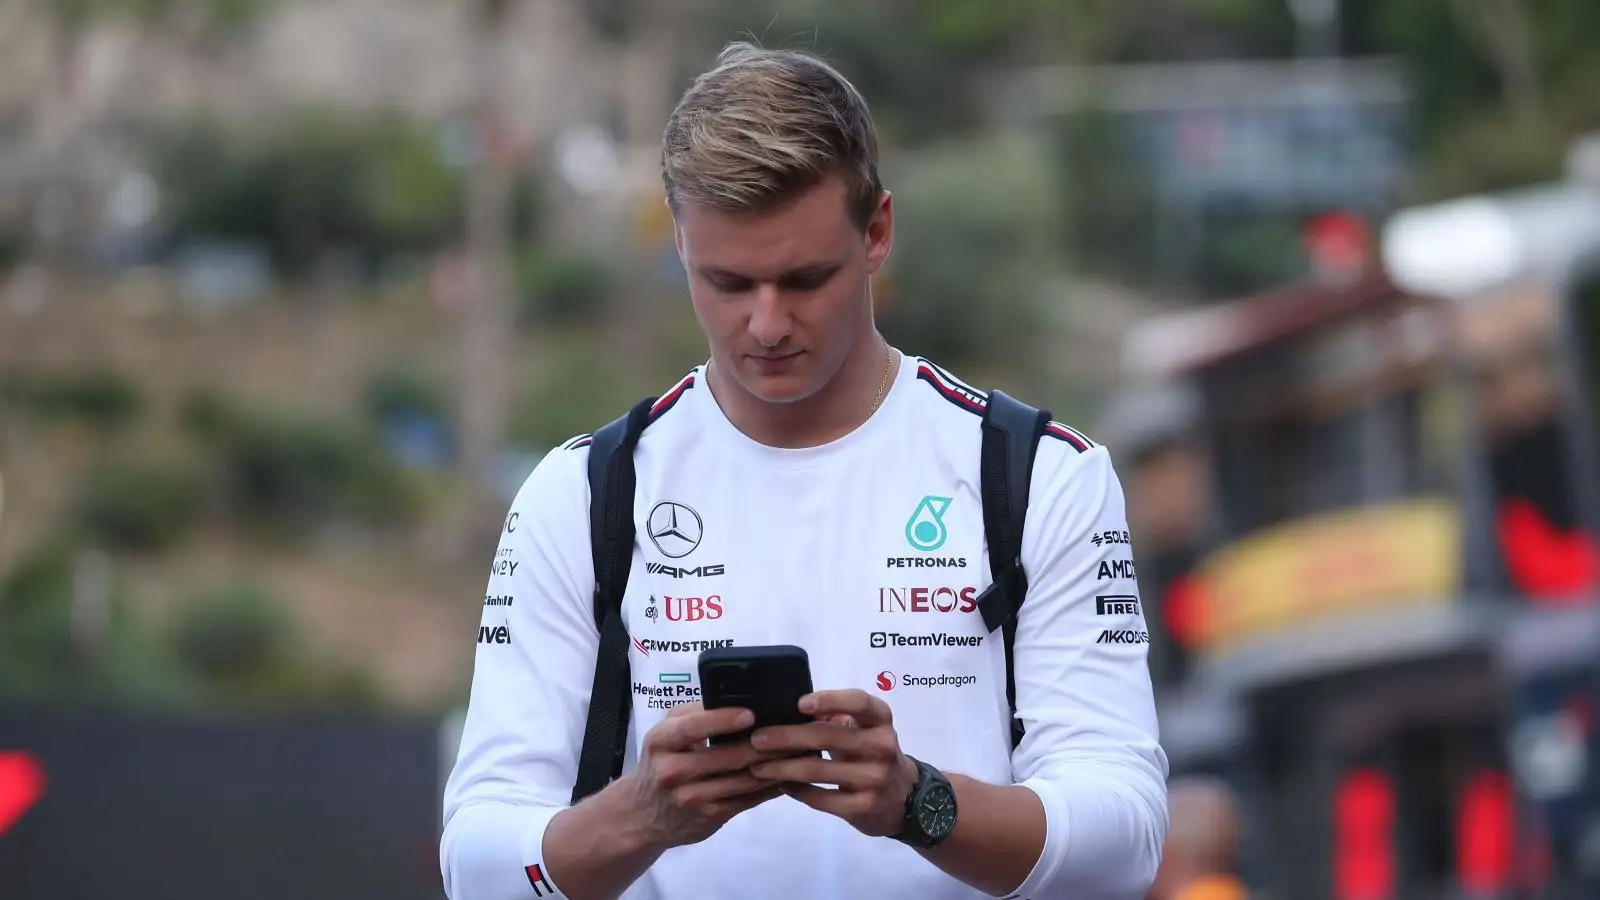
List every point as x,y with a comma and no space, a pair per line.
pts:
883,383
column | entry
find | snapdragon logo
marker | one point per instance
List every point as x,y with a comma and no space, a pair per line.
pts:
888,681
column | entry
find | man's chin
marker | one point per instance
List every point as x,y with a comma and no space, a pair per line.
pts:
778,388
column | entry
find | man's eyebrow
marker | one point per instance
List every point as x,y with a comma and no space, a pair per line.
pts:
808,270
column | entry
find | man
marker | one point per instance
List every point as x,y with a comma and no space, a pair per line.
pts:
1200,861
809,485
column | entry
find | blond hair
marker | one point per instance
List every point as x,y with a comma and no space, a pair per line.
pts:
765,125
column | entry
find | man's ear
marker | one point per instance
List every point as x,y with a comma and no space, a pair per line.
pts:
880,233
677,233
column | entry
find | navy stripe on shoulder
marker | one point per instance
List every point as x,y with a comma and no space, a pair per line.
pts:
975,401
671,398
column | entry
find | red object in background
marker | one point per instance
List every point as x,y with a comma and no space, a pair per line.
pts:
1183,611
1552,567
21,786
1363,837
1338,243
1485,834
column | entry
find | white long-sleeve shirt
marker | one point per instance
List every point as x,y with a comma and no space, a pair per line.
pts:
869,553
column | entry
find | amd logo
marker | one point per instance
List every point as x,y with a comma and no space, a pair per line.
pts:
685,571
1116,568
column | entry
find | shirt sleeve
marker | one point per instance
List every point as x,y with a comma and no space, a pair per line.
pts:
1091,749
529,702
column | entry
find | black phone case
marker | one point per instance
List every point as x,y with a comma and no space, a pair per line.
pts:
768,680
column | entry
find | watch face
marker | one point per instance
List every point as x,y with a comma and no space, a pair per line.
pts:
936,811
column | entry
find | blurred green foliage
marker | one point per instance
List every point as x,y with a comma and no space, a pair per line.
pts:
101,398
222,14
129,504
1109,213
399,387
976,244
290,469
239,642
231,646
571,391
562,286
318,183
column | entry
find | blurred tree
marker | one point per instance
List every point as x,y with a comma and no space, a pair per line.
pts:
1109,203
317,183
292,472
242,646
976,243
58,643
486,327
102,398
64,117
137,505
1500,85
561,286
566,394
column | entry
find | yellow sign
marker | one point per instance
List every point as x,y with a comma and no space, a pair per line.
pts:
1361,561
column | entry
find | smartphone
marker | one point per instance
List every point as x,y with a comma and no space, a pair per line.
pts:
768,680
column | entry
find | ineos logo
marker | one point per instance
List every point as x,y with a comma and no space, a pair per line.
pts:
675,529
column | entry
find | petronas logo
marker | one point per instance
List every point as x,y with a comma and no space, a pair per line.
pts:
925,530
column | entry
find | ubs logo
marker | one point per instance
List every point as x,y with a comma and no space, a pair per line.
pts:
691,609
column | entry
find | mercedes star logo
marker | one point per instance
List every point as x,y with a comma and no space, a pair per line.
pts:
675,529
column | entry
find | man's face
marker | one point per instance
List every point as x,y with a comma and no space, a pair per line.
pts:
783,295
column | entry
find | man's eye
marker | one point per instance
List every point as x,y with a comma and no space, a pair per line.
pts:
730,285
807,282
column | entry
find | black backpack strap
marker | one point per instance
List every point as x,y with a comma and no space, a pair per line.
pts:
611,487
1011,431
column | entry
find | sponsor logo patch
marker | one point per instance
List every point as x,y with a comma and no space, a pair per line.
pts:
881,639
888,681
1111,636
1116,605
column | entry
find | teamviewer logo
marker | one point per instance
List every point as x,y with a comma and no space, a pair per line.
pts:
879,640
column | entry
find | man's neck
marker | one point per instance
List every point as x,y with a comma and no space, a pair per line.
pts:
840,407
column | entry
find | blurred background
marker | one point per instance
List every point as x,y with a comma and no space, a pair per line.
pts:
294,293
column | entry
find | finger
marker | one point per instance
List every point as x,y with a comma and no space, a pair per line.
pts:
684,709
813,736
842,720
719,788
714,760
828,800
867,710
849,775
684,731
732,806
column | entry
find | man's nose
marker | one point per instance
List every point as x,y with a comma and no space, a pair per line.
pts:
769,320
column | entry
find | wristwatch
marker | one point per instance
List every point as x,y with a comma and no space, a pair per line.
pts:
930,810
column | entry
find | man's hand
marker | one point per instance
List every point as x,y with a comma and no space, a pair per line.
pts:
683,790
873,778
